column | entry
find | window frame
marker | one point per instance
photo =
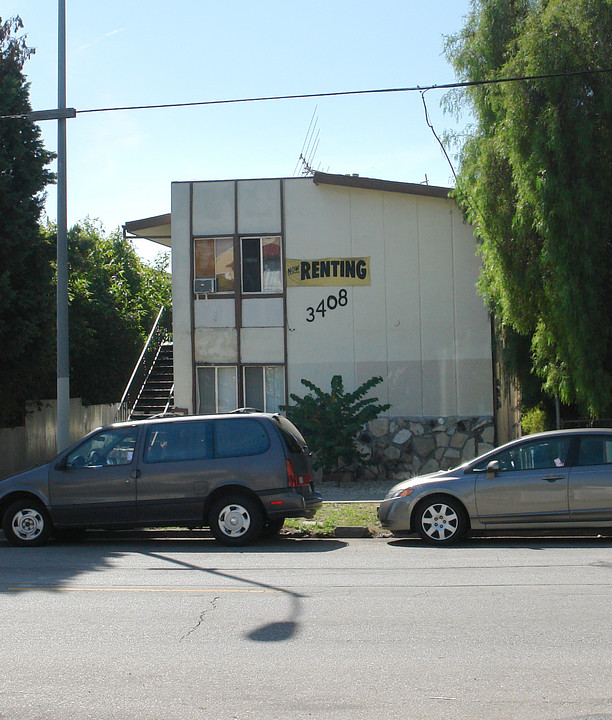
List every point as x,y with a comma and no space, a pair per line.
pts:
196,276
263,367
262,290
216,369
522,449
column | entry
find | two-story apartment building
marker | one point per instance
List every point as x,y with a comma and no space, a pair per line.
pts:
275,280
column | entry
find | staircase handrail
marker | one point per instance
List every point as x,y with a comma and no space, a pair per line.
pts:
139,361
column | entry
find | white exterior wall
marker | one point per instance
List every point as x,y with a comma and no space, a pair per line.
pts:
182,295
420,324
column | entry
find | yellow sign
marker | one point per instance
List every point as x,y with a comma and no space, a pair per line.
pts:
328,272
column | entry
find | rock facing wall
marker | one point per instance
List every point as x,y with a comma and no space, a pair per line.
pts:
415,446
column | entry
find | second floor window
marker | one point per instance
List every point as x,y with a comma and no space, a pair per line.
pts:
214,262
261,265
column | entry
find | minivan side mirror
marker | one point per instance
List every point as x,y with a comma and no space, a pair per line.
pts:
492,469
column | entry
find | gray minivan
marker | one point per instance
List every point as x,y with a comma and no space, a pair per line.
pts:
239,474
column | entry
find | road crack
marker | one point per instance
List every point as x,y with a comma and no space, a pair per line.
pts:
213,606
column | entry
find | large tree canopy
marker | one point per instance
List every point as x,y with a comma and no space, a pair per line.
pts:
536,182
26,272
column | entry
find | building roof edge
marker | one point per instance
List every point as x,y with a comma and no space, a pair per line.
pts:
356,181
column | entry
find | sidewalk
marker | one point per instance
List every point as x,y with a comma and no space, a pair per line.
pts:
354,491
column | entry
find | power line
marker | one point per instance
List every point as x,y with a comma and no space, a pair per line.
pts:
342,93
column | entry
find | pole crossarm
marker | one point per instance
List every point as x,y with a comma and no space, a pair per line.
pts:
58,114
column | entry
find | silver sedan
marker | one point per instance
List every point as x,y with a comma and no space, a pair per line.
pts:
558,481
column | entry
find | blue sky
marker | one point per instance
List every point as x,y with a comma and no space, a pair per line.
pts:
121,164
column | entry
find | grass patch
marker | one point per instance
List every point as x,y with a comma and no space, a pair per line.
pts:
338,514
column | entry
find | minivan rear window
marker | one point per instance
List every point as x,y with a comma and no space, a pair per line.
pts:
239,437
292,436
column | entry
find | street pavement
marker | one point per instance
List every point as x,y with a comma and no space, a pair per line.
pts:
167,628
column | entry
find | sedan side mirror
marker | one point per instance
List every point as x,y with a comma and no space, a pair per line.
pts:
492,469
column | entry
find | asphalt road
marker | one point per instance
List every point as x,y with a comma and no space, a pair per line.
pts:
162,629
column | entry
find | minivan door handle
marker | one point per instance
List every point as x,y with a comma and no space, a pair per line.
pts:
552,478
135,474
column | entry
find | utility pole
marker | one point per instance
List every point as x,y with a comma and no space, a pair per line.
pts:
61,114
63,357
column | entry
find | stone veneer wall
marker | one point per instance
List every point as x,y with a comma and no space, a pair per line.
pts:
416,446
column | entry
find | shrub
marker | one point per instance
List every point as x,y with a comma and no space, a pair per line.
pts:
332,421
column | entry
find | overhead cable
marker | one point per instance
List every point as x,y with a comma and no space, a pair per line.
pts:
342,93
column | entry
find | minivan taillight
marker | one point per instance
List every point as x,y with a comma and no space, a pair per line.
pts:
294,480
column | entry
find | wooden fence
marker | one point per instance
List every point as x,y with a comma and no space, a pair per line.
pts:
35,443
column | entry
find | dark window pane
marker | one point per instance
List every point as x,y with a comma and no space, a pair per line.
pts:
251,265
253,388
595,451
206,387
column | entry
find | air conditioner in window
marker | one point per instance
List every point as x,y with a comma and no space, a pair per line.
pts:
204,285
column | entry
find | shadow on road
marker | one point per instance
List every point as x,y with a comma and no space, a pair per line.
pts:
485,543
57,565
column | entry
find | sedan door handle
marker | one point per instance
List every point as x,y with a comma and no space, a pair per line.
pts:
552,478
135,474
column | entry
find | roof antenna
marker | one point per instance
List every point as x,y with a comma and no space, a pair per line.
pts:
304,165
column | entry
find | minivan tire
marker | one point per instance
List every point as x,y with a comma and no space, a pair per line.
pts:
26,523
272,528
236,519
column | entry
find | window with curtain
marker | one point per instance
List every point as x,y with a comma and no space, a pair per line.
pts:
264,387
261,265
217,389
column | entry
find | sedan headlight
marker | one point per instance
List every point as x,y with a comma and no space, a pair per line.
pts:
398,493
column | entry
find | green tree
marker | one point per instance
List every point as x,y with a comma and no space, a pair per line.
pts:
26,272
331,422
536,182
114,299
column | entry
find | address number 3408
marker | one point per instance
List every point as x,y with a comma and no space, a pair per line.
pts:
331,302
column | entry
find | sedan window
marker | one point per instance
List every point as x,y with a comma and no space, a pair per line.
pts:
531,455
595,451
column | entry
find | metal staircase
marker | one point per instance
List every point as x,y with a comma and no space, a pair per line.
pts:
150,390
156,394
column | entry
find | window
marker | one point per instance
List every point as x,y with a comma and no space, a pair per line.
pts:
261,265
242,436
217,389
110,447
595,451
169,442
214,261
264,387
532,455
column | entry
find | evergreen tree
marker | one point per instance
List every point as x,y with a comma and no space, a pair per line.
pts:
27,295
536,182
114,299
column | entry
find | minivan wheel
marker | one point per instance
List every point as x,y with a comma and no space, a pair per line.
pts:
26,522
236,520
441,521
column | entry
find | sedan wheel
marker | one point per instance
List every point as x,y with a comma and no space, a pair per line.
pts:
441,521
26,523
236,520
